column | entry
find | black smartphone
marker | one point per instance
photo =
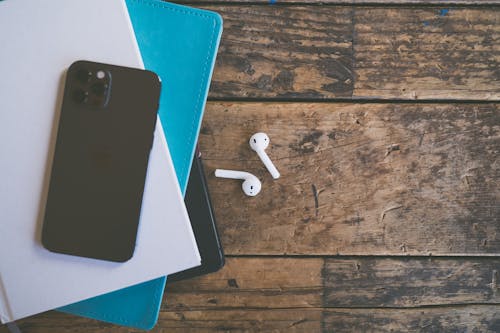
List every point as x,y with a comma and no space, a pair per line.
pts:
104,138
202,218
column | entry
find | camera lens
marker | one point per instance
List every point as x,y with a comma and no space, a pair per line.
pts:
99,88
80,96
83,75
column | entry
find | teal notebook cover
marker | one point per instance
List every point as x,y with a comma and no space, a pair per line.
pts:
180,44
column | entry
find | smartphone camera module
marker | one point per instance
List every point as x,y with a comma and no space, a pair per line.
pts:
99,88
80,96
92,86
83,75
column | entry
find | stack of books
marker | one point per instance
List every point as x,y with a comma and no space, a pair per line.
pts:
40,40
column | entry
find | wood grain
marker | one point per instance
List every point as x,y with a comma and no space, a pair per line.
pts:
269,51
243,320
474,3
427,53
270,283
472,318
358,52
383,282
358,179
182,321
265,294
447,319
252,283
315,294
442,320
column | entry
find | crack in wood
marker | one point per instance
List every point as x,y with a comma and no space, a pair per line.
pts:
316,201
421,139
298,322
391,148
382,215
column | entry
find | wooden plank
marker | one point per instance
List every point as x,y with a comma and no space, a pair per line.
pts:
252,283
274,51
309,293
389,53
267,283
471,318
358,179
376,282
474,3
242,320
441,319
448,319
427,53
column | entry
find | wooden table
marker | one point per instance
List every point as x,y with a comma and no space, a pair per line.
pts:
385,125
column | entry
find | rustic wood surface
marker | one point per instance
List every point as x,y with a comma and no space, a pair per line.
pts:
383,125
358,52
329,294
283,52
266,283
427,3
475,318
427,53
384,179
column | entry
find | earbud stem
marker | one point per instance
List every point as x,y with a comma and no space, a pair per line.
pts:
232,174
251,185
269,164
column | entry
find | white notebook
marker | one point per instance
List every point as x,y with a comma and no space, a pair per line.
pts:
38,41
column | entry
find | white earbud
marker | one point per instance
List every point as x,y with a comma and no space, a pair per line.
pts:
259,142
251,184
